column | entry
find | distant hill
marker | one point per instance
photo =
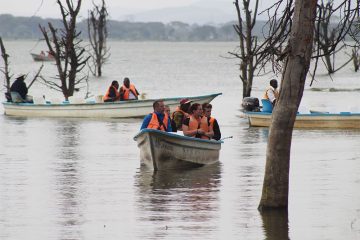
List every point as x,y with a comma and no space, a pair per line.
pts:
203,12
28,28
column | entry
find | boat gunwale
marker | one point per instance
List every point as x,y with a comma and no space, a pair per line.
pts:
105,103
147,130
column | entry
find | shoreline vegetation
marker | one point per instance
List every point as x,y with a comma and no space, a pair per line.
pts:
24,28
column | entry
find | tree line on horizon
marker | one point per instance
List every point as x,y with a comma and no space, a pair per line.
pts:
12,27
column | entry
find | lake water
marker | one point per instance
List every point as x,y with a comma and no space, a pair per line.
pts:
81,178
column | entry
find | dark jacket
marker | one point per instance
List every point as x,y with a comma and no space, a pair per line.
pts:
19,86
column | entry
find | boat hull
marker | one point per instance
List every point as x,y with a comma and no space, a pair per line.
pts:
314,120
122,109
42,58
161,150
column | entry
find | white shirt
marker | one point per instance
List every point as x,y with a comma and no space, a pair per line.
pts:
270,93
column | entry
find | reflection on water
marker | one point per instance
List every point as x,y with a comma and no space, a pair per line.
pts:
179,200
275,224
68,179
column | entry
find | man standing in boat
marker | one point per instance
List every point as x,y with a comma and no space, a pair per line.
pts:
158,119
128,91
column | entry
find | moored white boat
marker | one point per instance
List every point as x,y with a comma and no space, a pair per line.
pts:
120,109
162,150
344,120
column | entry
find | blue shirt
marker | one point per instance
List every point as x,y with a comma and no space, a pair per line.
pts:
160,117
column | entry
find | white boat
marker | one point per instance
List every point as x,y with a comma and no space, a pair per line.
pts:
344,120
120,109
162,150
42,58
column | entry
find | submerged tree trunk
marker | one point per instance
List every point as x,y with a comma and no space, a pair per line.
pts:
276,180
5,71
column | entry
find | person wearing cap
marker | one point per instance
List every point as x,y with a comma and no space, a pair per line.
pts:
128,91
181,113
207,107
112,93
19,91
158,119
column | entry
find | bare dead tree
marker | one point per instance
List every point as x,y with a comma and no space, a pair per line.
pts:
252,54
65,45
298,56
356,58
327,33
5,70
97,30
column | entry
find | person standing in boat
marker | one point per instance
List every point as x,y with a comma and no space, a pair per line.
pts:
112,93
19,91
197,125
128,91
181,113
158,119
272,93
207,107
173,124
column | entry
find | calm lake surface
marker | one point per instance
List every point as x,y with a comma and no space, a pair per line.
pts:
81,178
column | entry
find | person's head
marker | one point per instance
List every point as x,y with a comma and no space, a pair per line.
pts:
196,110
207,107
115,84
167,109
127,82
185,104
159,106
274,83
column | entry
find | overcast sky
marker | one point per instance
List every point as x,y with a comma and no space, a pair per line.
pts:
49,8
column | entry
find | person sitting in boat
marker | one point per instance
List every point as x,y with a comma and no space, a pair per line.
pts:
128,91
173,124
181,113
19,91
207,107
197,125
112,93
272,93
42,53
158,119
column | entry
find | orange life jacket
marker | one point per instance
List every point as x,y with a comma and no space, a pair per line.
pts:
199,124
107,94
127,91
276,93
156,124
211,121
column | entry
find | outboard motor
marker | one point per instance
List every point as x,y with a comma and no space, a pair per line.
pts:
251,104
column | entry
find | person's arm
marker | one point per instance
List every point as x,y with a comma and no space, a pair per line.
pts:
146,122
271,96
121,91
210,133
185,129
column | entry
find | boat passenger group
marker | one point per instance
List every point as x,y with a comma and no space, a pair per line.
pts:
193,119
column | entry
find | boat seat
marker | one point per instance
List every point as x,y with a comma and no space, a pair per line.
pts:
39,100
266,106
